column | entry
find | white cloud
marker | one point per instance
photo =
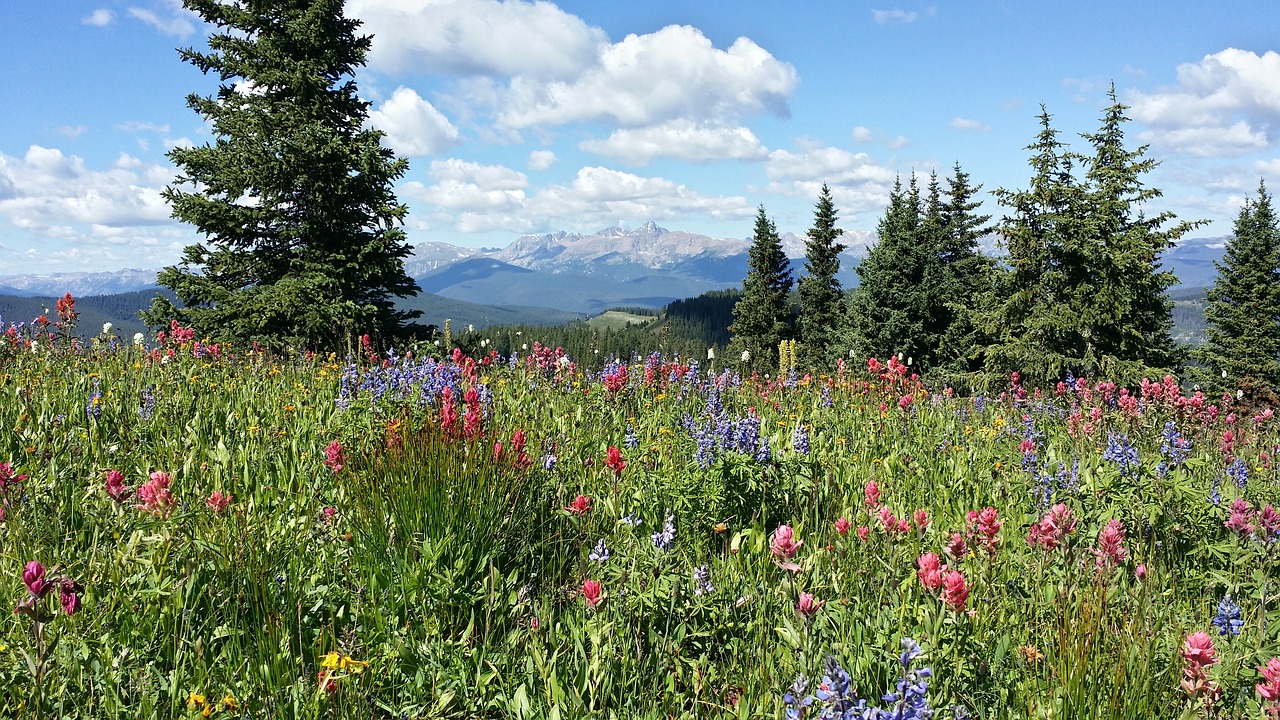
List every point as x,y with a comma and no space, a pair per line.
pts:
134,126
679,139
71,131
477,37
413,126
80,218
858,183
865,136
1238,139
895,16
541,159
1226,104
46,190
469,197
1269,168
174,20
968,125
647,79
100,17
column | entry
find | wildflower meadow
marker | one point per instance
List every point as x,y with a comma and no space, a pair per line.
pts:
191,530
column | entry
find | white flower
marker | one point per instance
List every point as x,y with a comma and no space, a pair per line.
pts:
746,356
138,339
711,353
524,346
35,345
106,328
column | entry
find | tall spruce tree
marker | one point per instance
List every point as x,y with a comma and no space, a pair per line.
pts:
1131,314
822,306
890,305
1035,318
762,317
294,197
967,275
1243,311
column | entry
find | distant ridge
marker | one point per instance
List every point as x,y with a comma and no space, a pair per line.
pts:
646,266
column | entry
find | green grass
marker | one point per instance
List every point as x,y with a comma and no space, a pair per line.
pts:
454,569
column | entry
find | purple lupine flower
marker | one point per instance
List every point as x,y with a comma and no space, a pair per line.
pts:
665,538
601,552
800,440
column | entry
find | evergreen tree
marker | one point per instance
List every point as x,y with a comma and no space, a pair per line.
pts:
929,237
762,317
1243,312
1131,315
294,197
968,275
891,301
822,305
1035,319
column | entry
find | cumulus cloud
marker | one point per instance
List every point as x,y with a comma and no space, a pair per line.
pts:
679,139
861,135
86,218
968,124
477,37
413,126
172,20
1227,104
541,159
858,183
673,73
100,17
469,197
49,189
1238,139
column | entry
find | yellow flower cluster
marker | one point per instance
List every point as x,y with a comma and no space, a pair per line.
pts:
336,661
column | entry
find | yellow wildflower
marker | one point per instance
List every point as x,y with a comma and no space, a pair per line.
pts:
195,700
229,702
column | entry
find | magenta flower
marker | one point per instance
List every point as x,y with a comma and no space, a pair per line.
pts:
1053,528
921,519
218,501
955,589
333,457
1110,551
1198,650
70,598
33,576
116,488
154,496
1270,690
842,527
930,572
784,544
614,461
591,594
581,505
871,494
807,607
1241,519
984,526
957,547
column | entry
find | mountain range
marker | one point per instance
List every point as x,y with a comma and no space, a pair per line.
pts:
570,272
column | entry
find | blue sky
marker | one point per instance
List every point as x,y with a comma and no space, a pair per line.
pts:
520,117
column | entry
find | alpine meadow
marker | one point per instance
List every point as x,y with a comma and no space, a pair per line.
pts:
975,467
